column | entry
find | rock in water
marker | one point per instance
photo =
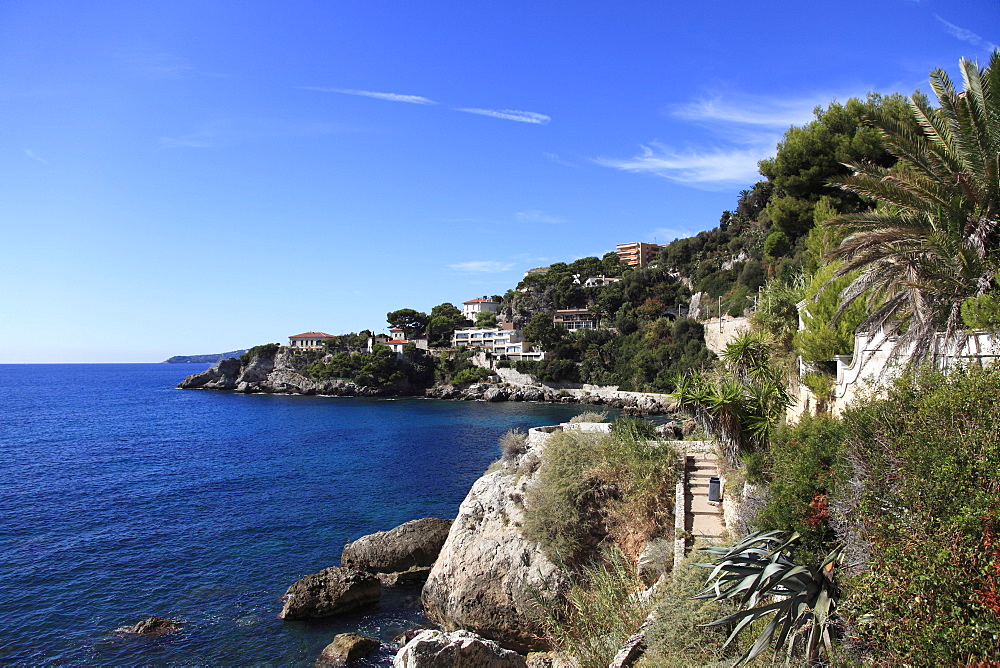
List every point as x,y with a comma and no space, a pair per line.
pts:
153,626
348,647
459,649
330,592
412,545
489,578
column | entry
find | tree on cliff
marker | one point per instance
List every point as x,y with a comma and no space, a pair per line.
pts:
410,321
933,242
809,156
444,319
541,330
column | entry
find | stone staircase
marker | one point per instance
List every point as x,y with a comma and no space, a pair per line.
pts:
704,519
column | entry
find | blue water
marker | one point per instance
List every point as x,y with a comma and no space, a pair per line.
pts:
123,497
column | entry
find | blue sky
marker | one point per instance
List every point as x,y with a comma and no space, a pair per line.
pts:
193,177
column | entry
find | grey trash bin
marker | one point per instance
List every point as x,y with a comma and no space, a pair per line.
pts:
714,490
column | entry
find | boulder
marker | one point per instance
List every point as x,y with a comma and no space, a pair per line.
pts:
495,393
488,578
348,647
458,649
153,626
222,376
330,592
410,546
551,660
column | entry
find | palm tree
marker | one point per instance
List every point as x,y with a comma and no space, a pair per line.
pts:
933,239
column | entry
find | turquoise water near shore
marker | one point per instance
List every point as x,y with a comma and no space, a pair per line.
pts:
124,497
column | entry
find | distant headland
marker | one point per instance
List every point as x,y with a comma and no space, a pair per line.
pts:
213,358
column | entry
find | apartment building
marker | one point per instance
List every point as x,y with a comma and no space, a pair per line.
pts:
575,318
638,254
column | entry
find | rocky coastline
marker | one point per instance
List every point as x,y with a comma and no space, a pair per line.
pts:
278,373
485,584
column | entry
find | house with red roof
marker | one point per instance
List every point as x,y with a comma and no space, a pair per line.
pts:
308,341
473,307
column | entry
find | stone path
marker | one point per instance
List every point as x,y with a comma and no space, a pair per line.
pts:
704,519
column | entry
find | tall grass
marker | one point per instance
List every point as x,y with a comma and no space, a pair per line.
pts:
602,610
590,416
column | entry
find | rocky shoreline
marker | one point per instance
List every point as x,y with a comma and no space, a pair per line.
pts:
485,583
277,374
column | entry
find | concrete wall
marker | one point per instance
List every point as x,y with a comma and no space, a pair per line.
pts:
717,339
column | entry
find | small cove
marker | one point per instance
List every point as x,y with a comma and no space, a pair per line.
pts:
124,497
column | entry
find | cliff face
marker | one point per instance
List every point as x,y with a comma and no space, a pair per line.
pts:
488,578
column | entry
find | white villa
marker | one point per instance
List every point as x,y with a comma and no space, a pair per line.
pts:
504,340
599,281
398,339
473,307
308,341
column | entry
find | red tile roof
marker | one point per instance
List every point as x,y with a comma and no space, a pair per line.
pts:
479,300
312,335
396,341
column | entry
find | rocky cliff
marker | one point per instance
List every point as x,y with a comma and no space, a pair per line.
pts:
488,578
277,373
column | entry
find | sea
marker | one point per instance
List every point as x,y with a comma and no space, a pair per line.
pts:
123,497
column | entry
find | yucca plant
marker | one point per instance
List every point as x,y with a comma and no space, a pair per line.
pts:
739,403
758,573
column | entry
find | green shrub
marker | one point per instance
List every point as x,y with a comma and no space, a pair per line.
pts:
472,374
590,484
926,519
805,470
676,638
589,416
512,444
601,611
557,506
982,311
634,429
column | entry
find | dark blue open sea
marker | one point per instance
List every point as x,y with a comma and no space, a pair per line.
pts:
123,497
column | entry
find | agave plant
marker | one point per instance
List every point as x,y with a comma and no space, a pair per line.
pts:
759,575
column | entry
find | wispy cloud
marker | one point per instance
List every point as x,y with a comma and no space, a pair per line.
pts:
483,266
31,154
662,235
747,110
389,97
553,157
718,166
536,216
509,114
966,35
742,129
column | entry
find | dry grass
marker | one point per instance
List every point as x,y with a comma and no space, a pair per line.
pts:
602,611
590,416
